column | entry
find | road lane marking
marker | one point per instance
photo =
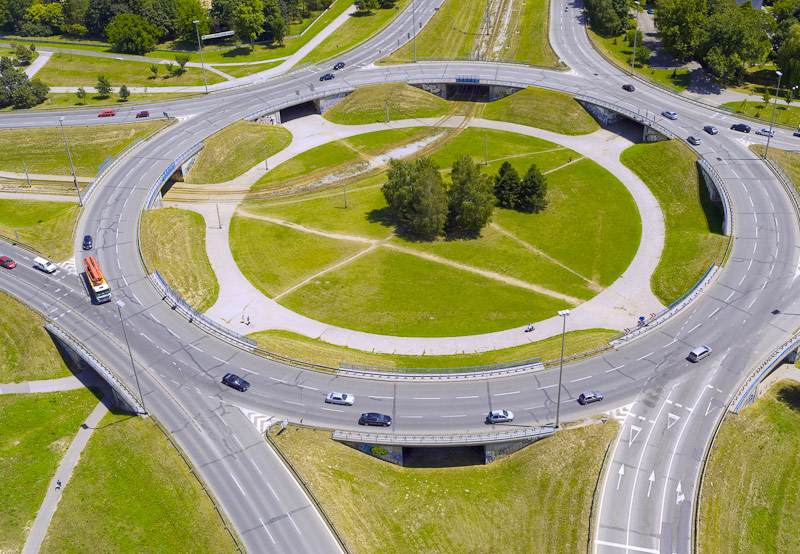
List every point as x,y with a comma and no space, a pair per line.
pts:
295,403
237,483
465,397
693,328
411,416
332,410
426,398
548,387
615,368
293,523
278,380
238,442
307,387
381,397
248,370
273,492
193,346
729,296
533,407
712,314
255,466
220,360
627,547
581,379
460,415
506,393
647,355
148,338
173,334
155,318
264,525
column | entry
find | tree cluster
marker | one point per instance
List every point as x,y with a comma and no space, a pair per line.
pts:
608,17
420,199
17,90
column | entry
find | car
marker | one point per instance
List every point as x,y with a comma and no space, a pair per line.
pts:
590,396
107,113
500,416
7,262
43,264
651,11
87,242
694,140
765,133
741,127
699,353
341,398
796,133
710,129
339,65
373,418
143,113
235,382
629,87
327,77
669,114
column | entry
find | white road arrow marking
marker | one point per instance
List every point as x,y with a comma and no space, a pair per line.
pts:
621,472
634,432
672,419
709,405
652,480
681,497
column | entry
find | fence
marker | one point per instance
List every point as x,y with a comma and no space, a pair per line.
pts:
434,440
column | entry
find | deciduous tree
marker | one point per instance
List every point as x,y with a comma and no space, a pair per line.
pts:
132,34
103,86
248,20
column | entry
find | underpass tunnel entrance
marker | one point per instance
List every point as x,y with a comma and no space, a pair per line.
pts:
444,456
299,110
462,92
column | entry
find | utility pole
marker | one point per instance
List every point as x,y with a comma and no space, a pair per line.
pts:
120,305
486,148
200,48
27,177
414,25
635,35
563,314
266,165
69,155
387,111
772,121
345,195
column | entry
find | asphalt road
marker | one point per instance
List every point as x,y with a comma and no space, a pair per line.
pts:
675,404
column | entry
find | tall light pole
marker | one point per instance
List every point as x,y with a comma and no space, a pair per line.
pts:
414,24
120,305
200,48
772,121
563,314
69,155
635,36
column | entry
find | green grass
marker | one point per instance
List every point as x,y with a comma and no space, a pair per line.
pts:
544,109
235,149
173,242
544,493
306,164
72,70
67,100
450,34
318,352
693,224
790,161
29,353
368,104
620,52
245,70
43,150
132,493
359,27
751,490
274,257
393,293
44,225
787,115
37,429
502,145
527,37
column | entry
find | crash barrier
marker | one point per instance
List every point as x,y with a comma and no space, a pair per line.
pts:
394,373
444,439
748,392
156,188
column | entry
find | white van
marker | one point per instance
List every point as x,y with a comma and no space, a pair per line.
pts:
44,265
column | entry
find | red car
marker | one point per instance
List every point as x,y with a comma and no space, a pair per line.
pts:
107,113
5,261
143,113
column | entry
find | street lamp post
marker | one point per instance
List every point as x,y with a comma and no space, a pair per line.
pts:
635,35
69,155
120,305
414,24
772,121
200,48
563,314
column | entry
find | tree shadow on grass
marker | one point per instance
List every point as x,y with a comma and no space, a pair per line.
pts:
712,210
789,395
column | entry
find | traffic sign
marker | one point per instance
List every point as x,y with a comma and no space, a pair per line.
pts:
217,35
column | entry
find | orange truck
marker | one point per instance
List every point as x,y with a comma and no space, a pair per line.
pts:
100,289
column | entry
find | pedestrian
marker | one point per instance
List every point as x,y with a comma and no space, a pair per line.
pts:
58,485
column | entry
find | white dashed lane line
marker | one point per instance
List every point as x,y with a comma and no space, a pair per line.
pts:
506,393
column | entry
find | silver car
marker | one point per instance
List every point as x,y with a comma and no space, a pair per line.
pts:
341,398
500,416
765,133
669,114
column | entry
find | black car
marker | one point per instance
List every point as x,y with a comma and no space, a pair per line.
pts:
741,127
629,87
373,418
235,382
339,65
327,77
87,242
796,134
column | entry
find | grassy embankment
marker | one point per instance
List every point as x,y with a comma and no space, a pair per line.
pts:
235,149
693,223
132,493
787,115
751,490
368,104
380,507
173,242
37,429
46,226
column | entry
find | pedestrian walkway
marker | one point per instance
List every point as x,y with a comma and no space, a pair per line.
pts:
243,308
38,63
46,385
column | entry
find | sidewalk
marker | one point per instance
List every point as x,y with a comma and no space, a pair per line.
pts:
616,307
46,385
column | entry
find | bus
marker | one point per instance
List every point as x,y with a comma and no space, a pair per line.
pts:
100,289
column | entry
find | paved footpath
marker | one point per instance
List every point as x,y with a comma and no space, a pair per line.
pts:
616,307
46,385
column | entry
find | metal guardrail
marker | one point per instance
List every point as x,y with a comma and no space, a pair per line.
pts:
423,371
484,59
727,203
788,184
636,116
109,376
169,171
749,390
297,100
436,440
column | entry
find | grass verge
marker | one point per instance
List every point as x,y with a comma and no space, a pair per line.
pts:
368,104
314,351
44,225
751,491
37,430
69,100
693,223
245,70
131,493
174,243
380,507
544,109
790,161
29,353
787,115
527,38
235,149
43,150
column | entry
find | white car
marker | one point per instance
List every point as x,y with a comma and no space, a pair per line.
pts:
765,133
500,416
44,265
669,114
341,398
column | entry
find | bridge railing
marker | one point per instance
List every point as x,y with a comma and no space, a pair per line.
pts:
719,184
156,188
748,392
442,439
297,100
348,368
